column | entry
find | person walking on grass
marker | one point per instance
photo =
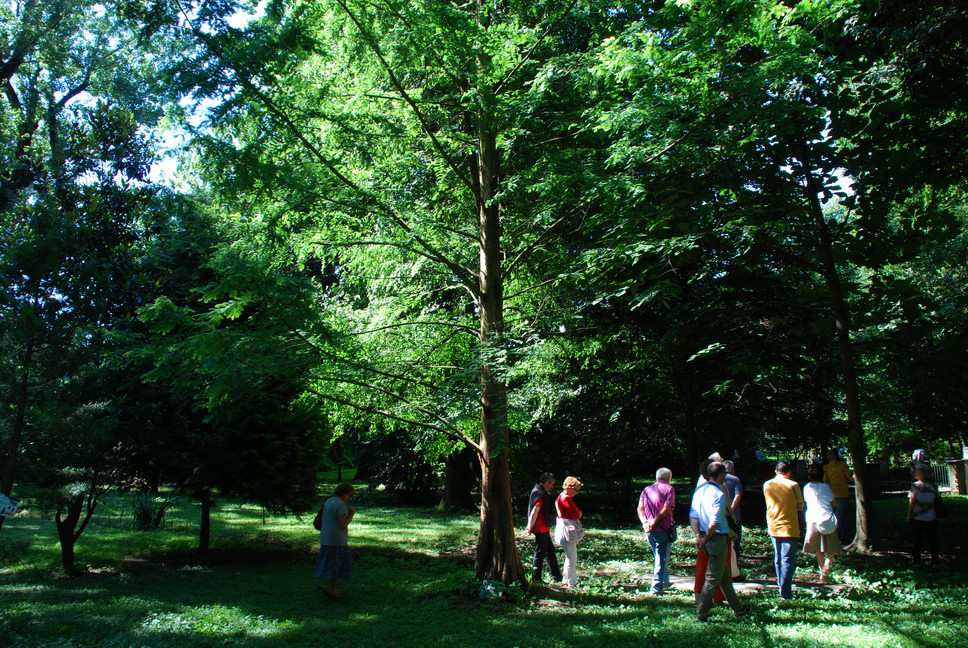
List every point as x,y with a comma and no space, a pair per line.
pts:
713,537
701,558
784,501
837,475
335,558
821,539
568,530
541,519
921,513
656,506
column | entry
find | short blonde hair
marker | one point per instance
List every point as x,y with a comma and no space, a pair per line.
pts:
571,482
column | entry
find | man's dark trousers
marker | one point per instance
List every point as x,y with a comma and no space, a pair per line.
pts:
544,549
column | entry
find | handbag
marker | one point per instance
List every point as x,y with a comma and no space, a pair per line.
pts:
567,530
828,526
318,520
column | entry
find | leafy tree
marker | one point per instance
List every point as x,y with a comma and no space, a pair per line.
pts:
229,373
72,195
432,153
750,93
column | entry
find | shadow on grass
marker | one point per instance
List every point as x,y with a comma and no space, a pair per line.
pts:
258,593
265,598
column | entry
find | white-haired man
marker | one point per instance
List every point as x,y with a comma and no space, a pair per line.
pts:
656,505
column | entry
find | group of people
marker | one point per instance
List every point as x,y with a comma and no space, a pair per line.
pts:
714,517
546,512
716,520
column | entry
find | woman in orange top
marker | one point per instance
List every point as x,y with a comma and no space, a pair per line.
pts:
837,475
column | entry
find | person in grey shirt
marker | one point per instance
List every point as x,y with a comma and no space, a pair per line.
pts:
335,558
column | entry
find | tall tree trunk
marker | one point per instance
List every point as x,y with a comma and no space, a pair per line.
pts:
459,477
497,554
205,526
12,449
855,428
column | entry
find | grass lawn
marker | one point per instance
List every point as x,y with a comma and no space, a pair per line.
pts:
413,585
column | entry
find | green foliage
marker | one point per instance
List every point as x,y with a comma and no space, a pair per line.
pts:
149,513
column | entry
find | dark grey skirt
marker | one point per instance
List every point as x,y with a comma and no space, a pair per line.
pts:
335,561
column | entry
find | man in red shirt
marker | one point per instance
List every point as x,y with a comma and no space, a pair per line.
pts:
541,519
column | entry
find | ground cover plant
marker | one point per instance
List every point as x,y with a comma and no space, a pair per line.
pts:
414,585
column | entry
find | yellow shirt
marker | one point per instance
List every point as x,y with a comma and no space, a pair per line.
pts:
837,475
784,501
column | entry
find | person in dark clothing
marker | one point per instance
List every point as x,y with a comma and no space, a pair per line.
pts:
541,520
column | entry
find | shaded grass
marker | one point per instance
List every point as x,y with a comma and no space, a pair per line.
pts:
413,585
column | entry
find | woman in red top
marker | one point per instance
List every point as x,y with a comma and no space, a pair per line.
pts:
569,532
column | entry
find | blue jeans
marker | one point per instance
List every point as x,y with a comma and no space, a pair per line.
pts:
784,560
660,543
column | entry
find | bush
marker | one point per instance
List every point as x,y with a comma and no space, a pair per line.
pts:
13,550
149,513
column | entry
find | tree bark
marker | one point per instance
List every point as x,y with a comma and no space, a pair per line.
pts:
12,451
205,526
65,532
459,477
70,527
856,442
497,553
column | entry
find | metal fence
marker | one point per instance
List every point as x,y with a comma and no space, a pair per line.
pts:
940,474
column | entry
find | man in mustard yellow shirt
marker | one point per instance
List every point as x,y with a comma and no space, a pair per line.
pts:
784,501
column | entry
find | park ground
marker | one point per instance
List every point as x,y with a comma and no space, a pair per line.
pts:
413,585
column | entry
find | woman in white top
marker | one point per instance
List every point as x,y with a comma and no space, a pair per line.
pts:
821,539
921,513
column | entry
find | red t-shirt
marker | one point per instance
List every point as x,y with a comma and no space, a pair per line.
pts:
540,526
567,509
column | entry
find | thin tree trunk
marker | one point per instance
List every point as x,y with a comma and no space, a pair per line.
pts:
65,531
855,428
12,450
70,527
458,481
205,527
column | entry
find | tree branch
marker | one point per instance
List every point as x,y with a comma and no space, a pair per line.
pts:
531,246
459,327
450,431
375,48
527,57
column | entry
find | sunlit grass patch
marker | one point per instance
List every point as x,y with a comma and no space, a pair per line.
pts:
220,620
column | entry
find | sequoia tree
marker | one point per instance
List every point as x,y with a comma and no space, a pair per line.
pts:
430,154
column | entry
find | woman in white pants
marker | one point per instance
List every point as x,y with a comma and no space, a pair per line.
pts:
569,532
